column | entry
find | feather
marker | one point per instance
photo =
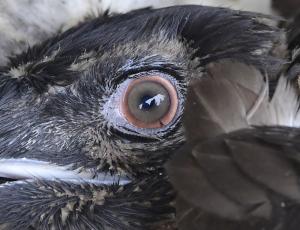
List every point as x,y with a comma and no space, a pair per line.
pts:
233,96
56,204
202,194
221,171
265,165
223,100
30,169
242,145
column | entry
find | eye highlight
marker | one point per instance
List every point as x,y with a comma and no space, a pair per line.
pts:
149,102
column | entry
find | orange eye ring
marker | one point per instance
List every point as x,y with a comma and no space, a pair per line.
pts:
162,121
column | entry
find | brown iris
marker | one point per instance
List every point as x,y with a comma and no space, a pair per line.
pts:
149,102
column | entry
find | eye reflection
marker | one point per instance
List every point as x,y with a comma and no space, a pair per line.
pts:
149,102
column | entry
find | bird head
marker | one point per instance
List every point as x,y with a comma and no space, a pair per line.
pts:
103,101
80,98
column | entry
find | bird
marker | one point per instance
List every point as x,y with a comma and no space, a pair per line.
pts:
90,116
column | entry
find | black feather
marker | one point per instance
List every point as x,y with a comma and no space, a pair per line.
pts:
81,205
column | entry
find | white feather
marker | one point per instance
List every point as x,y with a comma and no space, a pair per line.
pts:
285,103
29,169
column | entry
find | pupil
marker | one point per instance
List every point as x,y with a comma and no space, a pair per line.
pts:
148,102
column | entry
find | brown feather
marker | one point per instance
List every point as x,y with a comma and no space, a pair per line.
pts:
235,168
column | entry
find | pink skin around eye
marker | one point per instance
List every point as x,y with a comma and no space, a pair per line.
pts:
166,119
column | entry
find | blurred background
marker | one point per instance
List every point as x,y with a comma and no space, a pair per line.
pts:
24,23
281,7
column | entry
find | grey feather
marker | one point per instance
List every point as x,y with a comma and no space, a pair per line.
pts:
233,96
242,146
222,99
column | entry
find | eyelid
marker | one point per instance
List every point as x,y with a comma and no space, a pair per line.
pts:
160,67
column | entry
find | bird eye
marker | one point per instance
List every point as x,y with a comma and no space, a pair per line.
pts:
149,102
